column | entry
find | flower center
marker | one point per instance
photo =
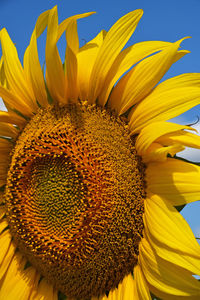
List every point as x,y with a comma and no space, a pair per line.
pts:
74,198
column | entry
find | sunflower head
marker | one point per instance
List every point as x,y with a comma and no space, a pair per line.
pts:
79,146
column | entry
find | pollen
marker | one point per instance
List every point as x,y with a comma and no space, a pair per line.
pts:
74,198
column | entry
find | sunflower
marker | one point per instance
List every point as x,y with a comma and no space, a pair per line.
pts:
90,180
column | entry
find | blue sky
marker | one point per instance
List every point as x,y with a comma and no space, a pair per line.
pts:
163,20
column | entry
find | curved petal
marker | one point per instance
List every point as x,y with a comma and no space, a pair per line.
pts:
71,56
166,101
182,137
166,277
114,41
5,240
32,64
187,262
140,285
41,23
3,225
1,197
128,288
15,102
54,68
5,146
159,243
12,118
8,130
139,82
7,259
34,71
14,72
2,211
125,290
173,230
4,168
176,181
64,24
157,153
124,61
3,80
85,60
20,285
44,291
152,132
71,60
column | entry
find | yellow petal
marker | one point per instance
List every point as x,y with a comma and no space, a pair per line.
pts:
176,181
41,23
3,224
113,43
71,56
3,80
4,162
2,211
185,261
71,60
173,231
165,276
8,130
58,86
161,295
1,197
2,181
14,72
114,294
184,80
128,291
124,61
54,69
85,60
185,138
15,102
63,26
5,146
31,61
34,71
18,283
44,291
167,100
161,243
139,82
7,259
157,153
125,290
5,240
140,285
12,118
153,131
4,168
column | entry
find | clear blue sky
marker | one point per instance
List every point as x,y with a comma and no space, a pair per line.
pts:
163,20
